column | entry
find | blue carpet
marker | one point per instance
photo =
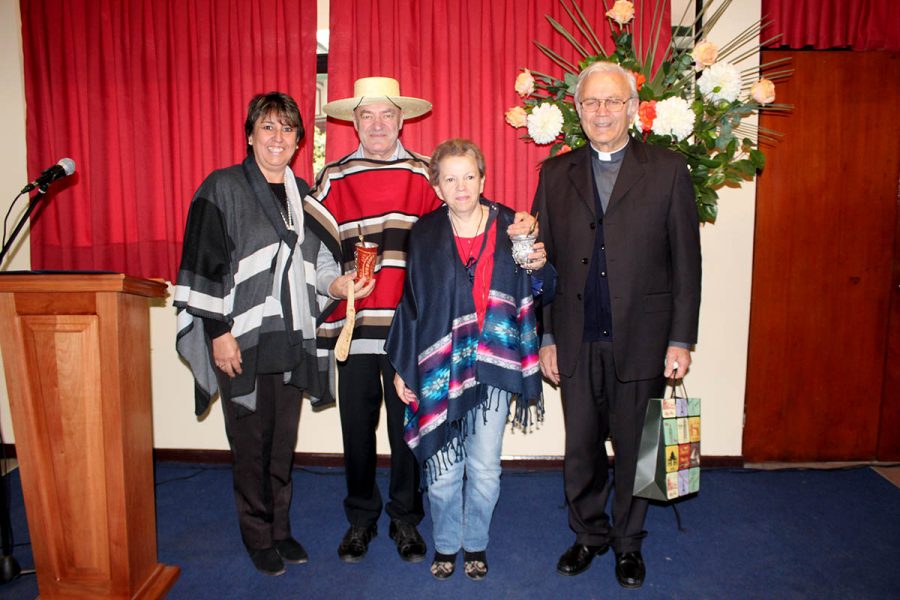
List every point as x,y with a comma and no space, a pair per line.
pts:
748,534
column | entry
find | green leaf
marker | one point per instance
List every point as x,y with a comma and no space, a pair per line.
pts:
708,213
571,81
758,158
745,168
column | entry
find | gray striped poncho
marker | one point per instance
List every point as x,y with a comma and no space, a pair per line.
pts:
240,265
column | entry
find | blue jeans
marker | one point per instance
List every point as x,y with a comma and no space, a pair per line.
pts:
461,510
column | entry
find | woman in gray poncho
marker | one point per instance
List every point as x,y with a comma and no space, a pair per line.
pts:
247,314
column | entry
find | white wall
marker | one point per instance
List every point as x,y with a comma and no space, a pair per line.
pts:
12,152
718,374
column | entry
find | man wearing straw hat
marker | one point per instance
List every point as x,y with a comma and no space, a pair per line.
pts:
378,193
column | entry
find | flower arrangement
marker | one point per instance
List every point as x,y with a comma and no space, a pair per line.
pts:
694,102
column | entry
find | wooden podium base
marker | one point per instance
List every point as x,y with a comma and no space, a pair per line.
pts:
159,583
76,351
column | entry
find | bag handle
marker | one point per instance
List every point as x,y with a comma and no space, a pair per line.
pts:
673,382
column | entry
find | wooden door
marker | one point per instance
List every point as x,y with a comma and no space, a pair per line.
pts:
818,382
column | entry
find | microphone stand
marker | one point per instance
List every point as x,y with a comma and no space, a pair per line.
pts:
9,567
18,228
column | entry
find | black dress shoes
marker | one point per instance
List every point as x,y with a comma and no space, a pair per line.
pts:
267,561
356,543
291,551
410,545
578,558
630,569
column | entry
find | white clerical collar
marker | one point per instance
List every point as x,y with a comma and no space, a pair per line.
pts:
608,156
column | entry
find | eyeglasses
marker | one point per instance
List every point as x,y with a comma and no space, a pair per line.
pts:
613,105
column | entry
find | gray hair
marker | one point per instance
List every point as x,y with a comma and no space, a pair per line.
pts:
606,67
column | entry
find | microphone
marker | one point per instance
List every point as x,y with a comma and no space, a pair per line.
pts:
63,168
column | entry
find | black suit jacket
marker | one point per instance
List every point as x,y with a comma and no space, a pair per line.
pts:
652,245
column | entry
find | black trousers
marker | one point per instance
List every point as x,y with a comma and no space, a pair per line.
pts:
262,446
360,383
598,405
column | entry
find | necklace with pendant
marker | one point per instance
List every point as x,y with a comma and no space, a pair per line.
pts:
471,262
472,238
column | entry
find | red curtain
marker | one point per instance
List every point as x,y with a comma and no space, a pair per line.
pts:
148,97
463,56
823,24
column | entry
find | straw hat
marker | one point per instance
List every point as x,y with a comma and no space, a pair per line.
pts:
370,90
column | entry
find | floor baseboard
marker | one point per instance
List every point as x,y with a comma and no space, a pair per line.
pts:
316,459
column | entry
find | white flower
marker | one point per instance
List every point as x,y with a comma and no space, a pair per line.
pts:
674,117
544,123
720,81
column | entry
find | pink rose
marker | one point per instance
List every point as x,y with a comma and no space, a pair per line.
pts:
516,116
524,83
622,12
763,91
704,54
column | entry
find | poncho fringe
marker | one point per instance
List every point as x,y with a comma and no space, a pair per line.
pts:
523,418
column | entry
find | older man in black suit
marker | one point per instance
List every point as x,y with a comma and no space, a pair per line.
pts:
620,225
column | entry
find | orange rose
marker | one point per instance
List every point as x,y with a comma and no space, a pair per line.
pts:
704,54
763,91
516,116
646,114
622,12
563,149
639,79
524,83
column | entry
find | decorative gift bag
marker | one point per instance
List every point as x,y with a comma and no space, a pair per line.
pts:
668,464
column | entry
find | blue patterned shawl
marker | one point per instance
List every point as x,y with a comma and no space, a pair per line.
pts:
435,346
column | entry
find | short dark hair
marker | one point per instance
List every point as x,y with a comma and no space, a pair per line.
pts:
278,103
454,147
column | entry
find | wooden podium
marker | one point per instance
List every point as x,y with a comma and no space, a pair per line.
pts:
76,351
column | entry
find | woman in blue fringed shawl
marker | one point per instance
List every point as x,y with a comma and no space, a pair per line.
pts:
464,344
